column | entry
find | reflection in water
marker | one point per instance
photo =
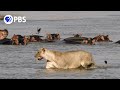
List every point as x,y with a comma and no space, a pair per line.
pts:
59,73
100,72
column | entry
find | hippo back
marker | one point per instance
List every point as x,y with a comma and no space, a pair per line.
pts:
118,42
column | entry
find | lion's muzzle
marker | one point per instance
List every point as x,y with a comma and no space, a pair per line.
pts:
40,58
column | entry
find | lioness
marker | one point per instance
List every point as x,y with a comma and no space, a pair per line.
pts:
65,60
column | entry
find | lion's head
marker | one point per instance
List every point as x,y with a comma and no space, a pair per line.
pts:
39,54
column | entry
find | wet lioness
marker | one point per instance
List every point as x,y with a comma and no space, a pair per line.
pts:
66,60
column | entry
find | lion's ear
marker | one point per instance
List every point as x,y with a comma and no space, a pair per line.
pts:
43,50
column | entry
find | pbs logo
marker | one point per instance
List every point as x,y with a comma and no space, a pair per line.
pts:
8,19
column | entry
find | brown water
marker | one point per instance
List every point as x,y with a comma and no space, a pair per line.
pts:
18,62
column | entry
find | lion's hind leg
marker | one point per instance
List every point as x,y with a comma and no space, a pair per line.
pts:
87,65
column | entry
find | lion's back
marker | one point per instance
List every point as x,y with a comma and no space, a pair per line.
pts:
72,55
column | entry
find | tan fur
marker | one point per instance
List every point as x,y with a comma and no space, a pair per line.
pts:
66,60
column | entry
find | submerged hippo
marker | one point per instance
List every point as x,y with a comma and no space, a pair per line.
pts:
6,41
118,42
80,40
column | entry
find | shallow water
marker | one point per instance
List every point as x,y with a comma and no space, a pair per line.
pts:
18,62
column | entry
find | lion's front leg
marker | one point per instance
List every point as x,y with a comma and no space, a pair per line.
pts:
51,65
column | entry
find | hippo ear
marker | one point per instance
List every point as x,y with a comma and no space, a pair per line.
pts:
107,35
